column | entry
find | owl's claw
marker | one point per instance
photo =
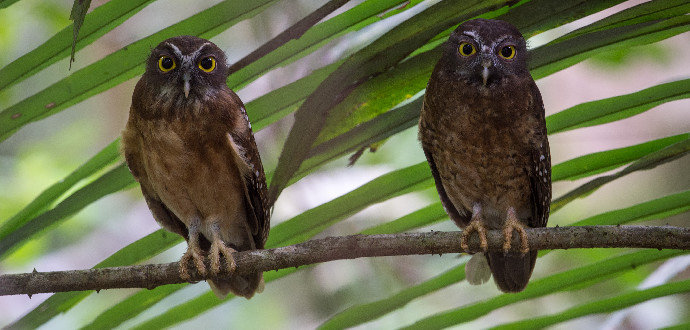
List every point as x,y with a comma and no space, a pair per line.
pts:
475,225
193,252
512,223
196,255
219,248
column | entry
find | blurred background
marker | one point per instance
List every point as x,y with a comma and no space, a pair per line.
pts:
48,150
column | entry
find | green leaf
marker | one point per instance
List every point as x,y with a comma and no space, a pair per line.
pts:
545,286
423,217
198,305
132,306
114,180
377,129
644,12
665,155
618,107
601,306
680,326
315,220
106,157
560,55
101,20
6,3
79,9
659,208
121,65
363,313
274,105
599,162
353,19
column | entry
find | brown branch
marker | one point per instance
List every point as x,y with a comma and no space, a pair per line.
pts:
348,247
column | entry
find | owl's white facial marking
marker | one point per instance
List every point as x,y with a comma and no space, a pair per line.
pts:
177,51
188,60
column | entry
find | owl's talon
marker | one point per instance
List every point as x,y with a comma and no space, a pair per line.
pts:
219,248
198,260
475,225
512,223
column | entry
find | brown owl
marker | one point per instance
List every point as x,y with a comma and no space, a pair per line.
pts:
483,133
190,145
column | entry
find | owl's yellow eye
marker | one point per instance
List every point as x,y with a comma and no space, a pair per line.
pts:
507,52
165,63
466,49
207,64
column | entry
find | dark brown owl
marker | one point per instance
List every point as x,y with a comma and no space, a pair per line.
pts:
483,133
190,145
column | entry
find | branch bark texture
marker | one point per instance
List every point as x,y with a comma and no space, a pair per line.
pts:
348,247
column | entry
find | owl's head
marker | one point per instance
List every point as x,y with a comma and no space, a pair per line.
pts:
185,68
485,52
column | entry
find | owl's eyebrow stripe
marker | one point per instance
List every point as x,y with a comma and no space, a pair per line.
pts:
175,49
187,58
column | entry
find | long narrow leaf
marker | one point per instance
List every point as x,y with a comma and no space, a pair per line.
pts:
601,306
557,56
665,155
101,20
353,19
108,156
384,187
6,3
363,313
644,12
121,65
617,108
545,286
599,162
116,179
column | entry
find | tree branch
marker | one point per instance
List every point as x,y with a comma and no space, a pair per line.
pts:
348,247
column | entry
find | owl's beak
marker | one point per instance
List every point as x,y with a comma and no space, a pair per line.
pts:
187,86
486,64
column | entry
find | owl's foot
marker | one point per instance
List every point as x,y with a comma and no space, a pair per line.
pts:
193,253
219,248
512,223
475,225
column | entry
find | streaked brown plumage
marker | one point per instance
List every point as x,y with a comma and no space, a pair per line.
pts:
189,143
483,132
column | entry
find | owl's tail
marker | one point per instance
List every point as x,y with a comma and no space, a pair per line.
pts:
511,271
240,285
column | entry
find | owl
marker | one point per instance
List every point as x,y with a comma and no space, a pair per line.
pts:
189,143
483,133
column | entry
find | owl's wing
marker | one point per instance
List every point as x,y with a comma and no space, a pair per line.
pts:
166,218
461,219
540,171
253,174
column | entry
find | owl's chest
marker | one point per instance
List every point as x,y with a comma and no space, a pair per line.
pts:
178,151
482,149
